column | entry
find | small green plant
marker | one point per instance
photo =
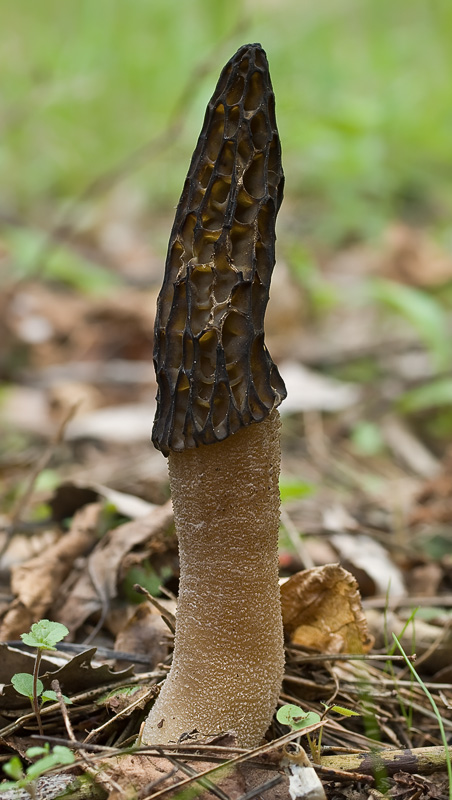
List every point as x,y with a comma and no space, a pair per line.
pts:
435,711
407,712
47,759
297,719
44,635
424,313
294,489
23,683
320,294
367,438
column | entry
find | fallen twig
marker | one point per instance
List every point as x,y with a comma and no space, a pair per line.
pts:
422,760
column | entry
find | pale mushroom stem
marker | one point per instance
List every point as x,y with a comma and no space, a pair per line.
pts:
228,656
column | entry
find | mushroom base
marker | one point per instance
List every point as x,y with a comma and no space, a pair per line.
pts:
228,655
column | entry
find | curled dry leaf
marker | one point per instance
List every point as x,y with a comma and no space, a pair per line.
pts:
37,583
17,619
144,633
322,610
97,585
126,700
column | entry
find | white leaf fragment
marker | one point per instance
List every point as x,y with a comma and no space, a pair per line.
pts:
310,391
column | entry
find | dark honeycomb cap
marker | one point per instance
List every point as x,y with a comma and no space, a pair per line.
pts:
214,372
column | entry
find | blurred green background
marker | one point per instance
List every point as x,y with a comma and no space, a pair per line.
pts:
363,88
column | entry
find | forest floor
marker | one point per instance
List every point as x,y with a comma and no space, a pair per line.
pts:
365,483
359,323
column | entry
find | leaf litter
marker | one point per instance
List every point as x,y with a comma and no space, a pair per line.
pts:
369,547
99,535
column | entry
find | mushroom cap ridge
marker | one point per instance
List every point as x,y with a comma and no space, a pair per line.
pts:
214,372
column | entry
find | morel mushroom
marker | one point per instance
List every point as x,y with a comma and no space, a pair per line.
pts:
217,420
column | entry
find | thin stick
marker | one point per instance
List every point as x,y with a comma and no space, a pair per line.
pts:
187,770
295,540
91,769
34,475
67,722
83,696
320,657
435,711
444,600
422,760
266,748
262,788
35,701
152,692
166,615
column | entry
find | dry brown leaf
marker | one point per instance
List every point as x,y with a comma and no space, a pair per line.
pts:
17,619
126,703
234,781
433,503
37,582
13,660
43,317
22,546
414,258
98,583
140,771
145,633
77,675
322,610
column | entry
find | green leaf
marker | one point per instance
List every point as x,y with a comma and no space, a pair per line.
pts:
346,712
13,768
61,264
59,755
430,395
45,634
32,752
367,439
47,480
51,695
294,489
64,754
45,763
23,684
295,717
423,312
